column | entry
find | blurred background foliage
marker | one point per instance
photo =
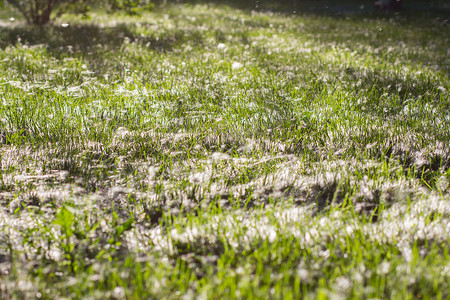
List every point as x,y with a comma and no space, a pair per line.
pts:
316,4
133,7
43,11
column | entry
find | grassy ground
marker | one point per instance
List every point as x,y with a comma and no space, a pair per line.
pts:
209,152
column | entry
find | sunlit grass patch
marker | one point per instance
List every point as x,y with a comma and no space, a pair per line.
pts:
207,151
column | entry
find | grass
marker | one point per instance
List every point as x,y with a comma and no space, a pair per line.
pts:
203,151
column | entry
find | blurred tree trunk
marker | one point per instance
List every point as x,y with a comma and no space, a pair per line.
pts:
35,11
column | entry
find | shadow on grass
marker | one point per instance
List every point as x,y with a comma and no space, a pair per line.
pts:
90,38
102,48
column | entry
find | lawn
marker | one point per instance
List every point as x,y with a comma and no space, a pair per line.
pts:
206,151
